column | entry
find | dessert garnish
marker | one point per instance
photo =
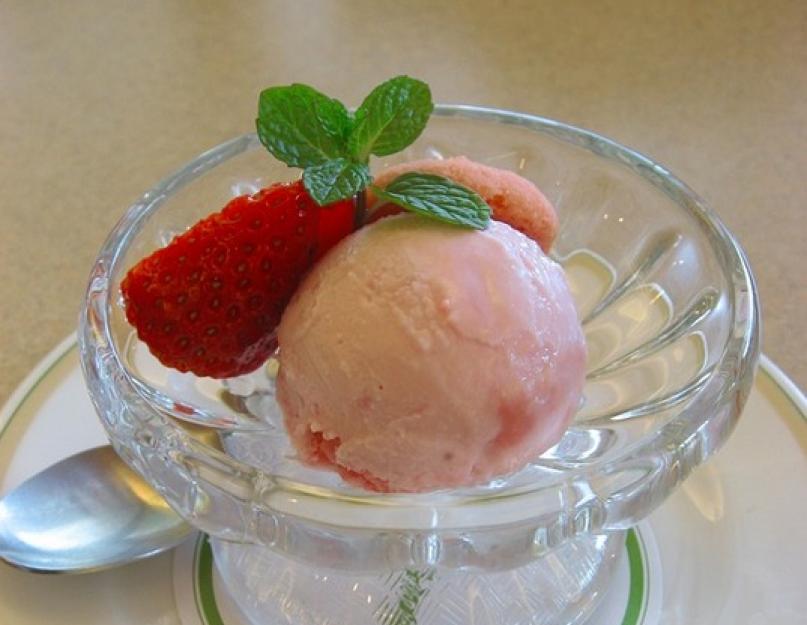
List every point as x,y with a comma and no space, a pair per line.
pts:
305,128
209,302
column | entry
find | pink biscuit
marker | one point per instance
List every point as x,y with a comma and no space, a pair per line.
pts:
418,356
512,198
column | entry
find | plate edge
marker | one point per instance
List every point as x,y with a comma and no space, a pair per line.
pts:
786,383
34,377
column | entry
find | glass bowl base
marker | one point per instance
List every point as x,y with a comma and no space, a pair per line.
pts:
561,588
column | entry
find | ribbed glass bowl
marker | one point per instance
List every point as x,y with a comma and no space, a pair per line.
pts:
671,320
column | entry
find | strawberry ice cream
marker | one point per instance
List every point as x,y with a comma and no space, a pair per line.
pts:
418,356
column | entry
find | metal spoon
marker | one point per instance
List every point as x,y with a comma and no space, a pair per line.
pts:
86,513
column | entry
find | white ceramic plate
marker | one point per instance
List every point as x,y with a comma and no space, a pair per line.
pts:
728,548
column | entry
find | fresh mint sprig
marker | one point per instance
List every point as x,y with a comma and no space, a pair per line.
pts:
305,128
437,197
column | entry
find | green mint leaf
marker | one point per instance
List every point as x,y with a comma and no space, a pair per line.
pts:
335,180
439,198
301,126
390,118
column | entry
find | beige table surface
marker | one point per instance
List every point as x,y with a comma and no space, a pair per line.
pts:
99,100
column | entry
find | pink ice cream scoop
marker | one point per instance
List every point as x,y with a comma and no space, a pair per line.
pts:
419,356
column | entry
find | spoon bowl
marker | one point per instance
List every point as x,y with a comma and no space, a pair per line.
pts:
86,513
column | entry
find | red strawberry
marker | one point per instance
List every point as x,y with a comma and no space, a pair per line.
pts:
335,223
209,302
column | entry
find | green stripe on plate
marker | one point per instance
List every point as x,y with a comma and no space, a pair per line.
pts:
66,347
204,592
637,597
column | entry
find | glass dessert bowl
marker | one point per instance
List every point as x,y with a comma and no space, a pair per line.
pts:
670,315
